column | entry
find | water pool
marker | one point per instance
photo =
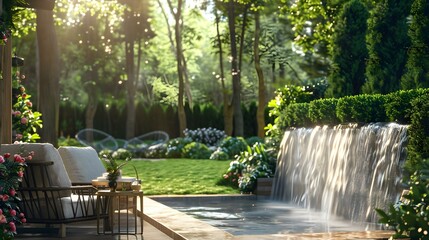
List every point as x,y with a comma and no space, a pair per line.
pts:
246,215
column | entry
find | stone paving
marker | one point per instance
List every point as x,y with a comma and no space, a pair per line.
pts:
164,223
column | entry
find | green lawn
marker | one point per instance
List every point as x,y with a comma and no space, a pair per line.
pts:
180,176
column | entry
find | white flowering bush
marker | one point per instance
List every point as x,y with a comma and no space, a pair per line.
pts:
175,147
208,136
122,154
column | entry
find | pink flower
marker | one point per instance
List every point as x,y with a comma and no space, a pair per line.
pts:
24,95
16,113
12,192
24,120
1,211
4,197
7,155
23,220
21,215
20,174
12,212
18,136
2,159
2,218
12,226
18,158
29,157
22,89
29,103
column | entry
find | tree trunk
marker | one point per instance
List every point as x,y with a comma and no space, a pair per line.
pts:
227,107
49,75
131,87
91,107
235,71
130,36
180,71
260,113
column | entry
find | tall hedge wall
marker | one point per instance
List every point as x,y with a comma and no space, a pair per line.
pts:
150,118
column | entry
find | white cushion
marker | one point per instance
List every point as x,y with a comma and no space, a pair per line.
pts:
82,163
43,152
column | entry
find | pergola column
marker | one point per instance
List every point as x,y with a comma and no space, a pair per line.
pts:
6,68
6,93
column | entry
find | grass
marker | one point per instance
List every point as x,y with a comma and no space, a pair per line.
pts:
180,176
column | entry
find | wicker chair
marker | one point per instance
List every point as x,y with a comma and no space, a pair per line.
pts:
48,196
146,141
97,139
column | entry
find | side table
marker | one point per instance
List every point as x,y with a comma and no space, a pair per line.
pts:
115,201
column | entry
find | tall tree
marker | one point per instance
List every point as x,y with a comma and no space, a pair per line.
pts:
48,75
388,43
176,11
349,50
226,96
417,67
260,113
236,46
136,27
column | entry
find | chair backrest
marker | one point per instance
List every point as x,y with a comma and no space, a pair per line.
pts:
82,164
43,152
56,174
97,139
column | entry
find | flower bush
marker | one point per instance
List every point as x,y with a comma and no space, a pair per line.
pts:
122,154
11,174
175,147
208,136
196,150
256,162
25,122
231,146
409,217
156,151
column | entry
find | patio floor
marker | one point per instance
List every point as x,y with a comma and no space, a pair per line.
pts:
164,223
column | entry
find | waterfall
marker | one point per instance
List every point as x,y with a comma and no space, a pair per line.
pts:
346,171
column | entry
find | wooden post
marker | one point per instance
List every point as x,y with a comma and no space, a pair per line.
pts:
6,93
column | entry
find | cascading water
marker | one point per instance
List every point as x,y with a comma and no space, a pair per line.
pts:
343,171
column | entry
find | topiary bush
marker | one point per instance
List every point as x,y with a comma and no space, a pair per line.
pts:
323,111
196,150
418,134
362,108
398,104
175,147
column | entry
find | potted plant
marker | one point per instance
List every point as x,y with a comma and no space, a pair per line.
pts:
113,171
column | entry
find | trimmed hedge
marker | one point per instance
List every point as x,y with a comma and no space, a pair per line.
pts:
364,108
406,107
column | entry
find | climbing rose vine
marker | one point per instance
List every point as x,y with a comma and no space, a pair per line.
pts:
25,121
11,174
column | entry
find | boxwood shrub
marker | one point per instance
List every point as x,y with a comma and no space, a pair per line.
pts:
364,108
